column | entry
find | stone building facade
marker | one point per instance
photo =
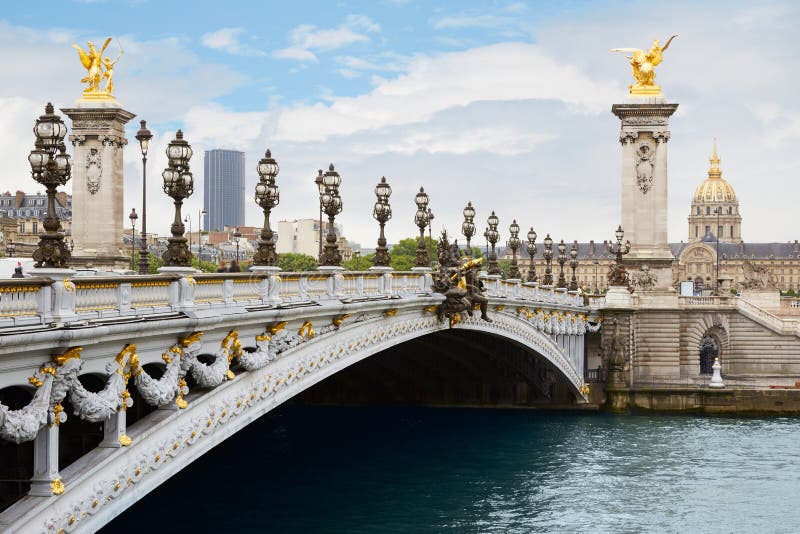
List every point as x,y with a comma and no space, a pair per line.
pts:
714,210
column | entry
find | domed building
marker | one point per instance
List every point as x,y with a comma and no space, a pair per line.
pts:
715,210
704,259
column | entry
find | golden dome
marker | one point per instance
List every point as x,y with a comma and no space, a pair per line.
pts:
714,188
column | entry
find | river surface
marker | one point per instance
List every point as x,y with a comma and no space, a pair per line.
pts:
400,469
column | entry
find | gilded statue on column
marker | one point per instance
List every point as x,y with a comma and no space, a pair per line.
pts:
98,68
643,64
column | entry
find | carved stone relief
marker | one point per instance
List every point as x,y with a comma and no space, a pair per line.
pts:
94,170
645,162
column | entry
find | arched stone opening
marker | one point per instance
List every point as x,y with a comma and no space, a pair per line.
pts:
709,351
140,408
76,437
16,461
448,368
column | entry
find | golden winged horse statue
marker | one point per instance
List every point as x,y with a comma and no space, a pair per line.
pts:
92,62
643,64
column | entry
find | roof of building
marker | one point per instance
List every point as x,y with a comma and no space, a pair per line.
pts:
714,188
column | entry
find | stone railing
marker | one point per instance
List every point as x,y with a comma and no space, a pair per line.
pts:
727,302
790,306
36,300
790,326
517,289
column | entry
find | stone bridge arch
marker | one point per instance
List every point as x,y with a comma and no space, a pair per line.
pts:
102,484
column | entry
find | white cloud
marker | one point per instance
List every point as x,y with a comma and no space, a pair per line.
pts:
230,40
307,39
432,84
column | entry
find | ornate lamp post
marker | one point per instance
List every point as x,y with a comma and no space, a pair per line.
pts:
188,220
11,247
200,214
320,189
133,216
513,244
618,275
421,220
382,213
430,238
562,259
268,196
548,258
50,167
486,238
179,185
331,204
143,136
493,235
468,226
237,236
596,288
531,249
573,264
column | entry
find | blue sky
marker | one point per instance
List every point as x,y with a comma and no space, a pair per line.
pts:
505,103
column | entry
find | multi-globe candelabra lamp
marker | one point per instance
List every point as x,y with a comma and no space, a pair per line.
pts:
50,167
382,212
267,196
421,219
331,204
179,185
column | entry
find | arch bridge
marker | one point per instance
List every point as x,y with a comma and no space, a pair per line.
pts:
203,356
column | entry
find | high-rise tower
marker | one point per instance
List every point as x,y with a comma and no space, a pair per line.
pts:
223,181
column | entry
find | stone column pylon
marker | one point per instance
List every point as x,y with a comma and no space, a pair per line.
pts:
644,135
98,211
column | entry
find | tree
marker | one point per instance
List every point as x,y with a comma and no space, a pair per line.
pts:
405,251
296,262
358,263
205,266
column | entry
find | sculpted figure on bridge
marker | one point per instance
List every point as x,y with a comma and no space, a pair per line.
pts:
458,281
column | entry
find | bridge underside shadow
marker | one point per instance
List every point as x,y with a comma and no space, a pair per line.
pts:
447,368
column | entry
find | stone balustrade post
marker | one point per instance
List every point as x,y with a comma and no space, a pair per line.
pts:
124,297
386,283
45,461
114,427
227,291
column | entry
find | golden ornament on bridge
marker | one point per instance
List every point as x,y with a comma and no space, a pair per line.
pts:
98,68
643,64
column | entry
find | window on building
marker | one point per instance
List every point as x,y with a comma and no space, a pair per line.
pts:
730,210
719,231
732,231
697,230
708,210
708,229
22,227
35,228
